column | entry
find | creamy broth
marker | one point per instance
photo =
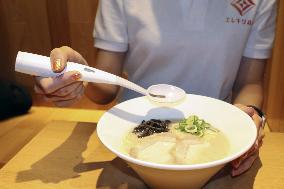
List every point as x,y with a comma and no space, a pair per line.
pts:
175,147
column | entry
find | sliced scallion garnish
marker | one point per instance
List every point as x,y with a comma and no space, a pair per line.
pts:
195,126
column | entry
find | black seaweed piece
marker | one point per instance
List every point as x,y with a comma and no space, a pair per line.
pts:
147,128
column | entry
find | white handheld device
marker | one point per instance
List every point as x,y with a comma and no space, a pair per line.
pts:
38,65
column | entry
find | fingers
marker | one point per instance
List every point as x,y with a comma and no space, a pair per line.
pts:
50,85
245,165
249,110
38,89
258,142
74,92
244,162
252,113
60,56
62,91
257,120
70,92
67,90
237,162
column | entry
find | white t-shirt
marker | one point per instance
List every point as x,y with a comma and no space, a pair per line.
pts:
194,44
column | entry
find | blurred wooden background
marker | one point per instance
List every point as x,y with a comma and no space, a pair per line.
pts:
41,25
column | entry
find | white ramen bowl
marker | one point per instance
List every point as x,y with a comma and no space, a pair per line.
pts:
236,125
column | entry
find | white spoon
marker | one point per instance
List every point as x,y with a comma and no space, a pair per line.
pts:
38,65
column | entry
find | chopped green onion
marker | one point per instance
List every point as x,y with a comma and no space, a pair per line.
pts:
195,126
190,129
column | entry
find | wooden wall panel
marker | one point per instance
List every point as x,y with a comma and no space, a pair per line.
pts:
4,48
274,105
58,20
26,29
81,18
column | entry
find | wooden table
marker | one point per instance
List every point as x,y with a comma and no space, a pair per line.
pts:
67,154
16,132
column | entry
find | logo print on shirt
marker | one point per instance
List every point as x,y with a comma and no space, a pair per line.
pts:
243,6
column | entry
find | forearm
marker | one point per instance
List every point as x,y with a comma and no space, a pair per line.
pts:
250,94
101,93
110,62
248,88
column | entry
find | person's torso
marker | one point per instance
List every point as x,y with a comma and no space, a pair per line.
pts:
194,44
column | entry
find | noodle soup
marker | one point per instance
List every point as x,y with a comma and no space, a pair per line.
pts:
177,144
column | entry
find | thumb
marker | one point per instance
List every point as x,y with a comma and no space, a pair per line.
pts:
58,60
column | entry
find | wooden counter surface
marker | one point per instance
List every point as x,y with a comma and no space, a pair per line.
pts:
67,154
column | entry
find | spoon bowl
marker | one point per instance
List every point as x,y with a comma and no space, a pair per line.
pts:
164,93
